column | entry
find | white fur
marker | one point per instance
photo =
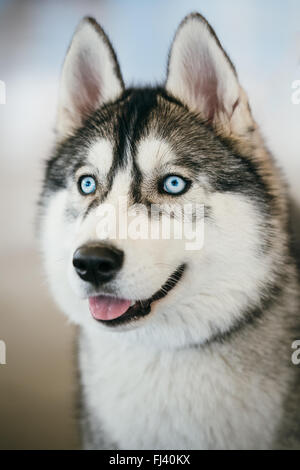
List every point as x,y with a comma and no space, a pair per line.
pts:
216,277
101,156
189,399
152,153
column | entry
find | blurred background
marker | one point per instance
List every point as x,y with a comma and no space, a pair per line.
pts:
262,37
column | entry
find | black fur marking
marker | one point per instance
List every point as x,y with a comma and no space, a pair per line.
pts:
91,206
268,298
196,146
143,307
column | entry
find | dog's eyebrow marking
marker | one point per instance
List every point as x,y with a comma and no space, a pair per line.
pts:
101,155
153,152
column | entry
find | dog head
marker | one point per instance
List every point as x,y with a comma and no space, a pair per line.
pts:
144,155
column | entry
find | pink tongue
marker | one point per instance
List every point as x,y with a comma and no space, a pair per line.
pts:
107,308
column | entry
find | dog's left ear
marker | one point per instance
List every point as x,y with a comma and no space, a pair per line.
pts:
90,77
202,76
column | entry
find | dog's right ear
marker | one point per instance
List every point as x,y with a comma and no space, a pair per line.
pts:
90,77
201,75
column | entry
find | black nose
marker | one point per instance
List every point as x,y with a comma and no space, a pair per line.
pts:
97,263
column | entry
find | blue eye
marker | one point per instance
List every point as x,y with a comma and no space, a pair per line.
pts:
174,184
87,184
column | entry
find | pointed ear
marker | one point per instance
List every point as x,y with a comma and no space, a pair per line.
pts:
202,76
90,77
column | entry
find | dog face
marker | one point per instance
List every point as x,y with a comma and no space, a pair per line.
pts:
192,143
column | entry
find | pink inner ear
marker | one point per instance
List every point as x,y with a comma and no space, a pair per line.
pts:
202,83
86,95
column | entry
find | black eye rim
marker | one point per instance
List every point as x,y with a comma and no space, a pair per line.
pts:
161,181
80,181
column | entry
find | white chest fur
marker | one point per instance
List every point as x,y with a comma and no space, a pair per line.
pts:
188,399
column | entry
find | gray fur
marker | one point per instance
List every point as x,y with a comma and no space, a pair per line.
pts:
237,386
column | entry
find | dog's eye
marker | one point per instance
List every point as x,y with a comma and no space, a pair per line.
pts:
87,184
174,184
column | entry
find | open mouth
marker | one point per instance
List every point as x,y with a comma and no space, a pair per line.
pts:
113,311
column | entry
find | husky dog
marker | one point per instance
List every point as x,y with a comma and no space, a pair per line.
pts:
177,349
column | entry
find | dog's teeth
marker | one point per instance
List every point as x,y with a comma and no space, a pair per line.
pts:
132,303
